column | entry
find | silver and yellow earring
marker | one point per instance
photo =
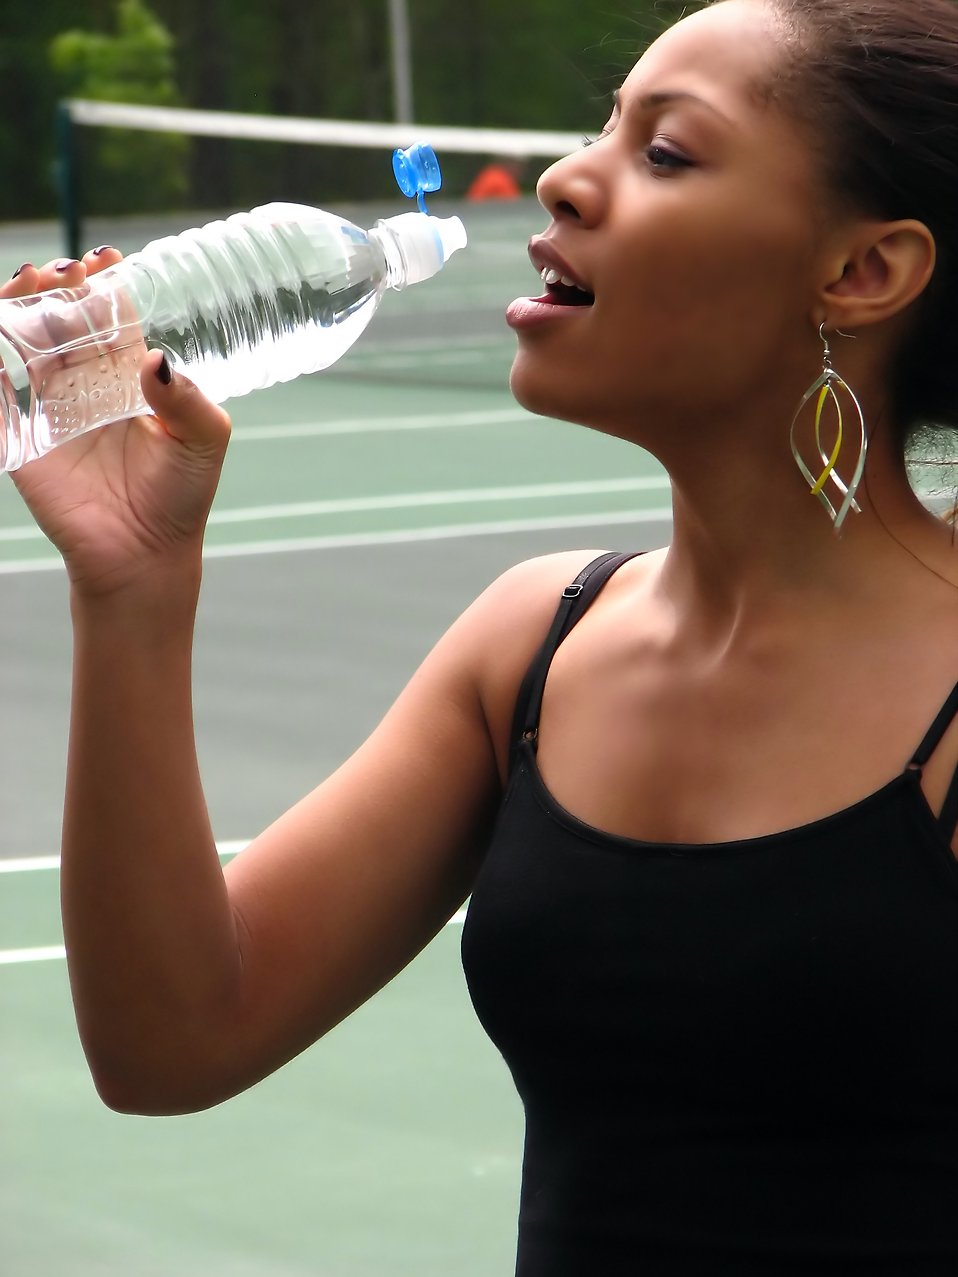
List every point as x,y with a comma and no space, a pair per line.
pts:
827,388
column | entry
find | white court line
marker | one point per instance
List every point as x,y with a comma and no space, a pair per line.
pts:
350,426
48,953
324,429
442,533
446,359
426,347
448,496
58,953
29,864
373,425
345,541
404,501
26,864
54,952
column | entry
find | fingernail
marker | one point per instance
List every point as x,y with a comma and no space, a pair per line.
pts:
25,266
64,264
104,248
164,372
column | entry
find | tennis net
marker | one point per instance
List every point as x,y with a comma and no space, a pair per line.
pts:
449,335
117,156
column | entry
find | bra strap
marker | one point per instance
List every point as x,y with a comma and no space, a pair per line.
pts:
949,813
949,711
573,604
936,732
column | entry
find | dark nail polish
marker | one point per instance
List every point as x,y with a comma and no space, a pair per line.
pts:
164,372
25,266
64,264
104,248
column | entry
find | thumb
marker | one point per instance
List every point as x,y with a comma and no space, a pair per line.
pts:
184,411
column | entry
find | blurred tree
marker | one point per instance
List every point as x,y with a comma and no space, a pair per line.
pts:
285,58
28,97
542,64
553,69
132,172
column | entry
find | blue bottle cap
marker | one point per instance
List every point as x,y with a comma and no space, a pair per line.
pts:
417,171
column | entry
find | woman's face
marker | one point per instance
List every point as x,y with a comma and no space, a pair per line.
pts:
694,224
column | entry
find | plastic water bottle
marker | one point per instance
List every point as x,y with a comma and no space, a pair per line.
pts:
237,305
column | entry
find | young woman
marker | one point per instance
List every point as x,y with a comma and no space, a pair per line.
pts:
710,838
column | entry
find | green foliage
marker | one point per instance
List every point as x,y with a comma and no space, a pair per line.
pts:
134,171
546,64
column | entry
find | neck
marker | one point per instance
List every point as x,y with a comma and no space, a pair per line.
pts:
752,546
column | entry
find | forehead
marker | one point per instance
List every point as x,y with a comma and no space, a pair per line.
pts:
726,54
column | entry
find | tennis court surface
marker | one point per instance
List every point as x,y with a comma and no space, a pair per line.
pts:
360,511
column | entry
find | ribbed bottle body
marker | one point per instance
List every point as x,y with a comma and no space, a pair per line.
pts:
259,298
237,305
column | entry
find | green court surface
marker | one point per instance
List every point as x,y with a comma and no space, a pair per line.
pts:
359,512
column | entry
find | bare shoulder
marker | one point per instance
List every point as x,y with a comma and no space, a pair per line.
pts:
506,625
527,595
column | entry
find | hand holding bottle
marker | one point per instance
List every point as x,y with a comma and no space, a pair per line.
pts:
121,501
236,305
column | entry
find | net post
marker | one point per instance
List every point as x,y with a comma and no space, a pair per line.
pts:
401,61
66,175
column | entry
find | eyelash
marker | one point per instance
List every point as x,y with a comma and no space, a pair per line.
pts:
666,158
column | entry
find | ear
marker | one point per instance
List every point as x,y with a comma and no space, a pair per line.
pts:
882,269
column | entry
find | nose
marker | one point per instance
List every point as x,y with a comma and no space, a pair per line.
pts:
572,188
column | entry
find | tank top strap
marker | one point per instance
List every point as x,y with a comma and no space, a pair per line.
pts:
574,602
949,711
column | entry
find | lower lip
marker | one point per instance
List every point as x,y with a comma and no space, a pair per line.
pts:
530,312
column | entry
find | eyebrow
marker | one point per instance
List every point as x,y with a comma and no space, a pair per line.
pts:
652,101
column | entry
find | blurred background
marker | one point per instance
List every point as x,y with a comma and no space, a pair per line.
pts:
360,510
546,64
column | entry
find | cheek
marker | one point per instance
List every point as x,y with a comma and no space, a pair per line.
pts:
694,305
709,273
713,294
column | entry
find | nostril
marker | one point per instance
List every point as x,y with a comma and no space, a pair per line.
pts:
563,206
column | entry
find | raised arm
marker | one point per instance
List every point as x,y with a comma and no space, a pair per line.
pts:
191,983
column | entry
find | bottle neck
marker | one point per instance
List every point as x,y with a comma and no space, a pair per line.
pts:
388,242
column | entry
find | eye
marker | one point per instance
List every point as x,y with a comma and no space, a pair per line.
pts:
660,157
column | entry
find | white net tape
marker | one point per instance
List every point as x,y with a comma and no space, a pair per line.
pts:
512,142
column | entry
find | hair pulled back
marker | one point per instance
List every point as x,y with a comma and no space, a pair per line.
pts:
877,80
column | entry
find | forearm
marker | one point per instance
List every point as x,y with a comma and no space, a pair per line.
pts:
150,936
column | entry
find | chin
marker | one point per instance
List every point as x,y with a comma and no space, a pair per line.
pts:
540,394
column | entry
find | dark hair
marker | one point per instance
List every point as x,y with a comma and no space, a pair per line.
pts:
877,80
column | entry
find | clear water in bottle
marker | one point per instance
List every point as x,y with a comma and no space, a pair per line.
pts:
237,305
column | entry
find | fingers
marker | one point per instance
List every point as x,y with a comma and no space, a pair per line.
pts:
98,258
62,272
22,282
186,414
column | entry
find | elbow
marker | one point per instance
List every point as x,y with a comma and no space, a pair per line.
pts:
161,1064
139,1102
125,1093
156,1084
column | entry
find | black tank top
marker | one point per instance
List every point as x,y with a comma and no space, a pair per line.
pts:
738,1059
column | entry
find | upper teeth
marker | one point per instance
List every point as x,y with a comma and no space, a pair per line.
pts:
549,276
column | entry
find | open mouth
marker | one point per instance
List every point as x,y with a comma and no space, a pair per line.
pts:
564,291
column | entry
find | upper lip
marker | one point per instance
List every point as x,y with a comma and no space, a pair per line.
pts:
543,254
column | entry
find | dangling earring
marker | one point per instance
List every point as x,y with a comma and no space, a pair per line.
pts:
825,388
